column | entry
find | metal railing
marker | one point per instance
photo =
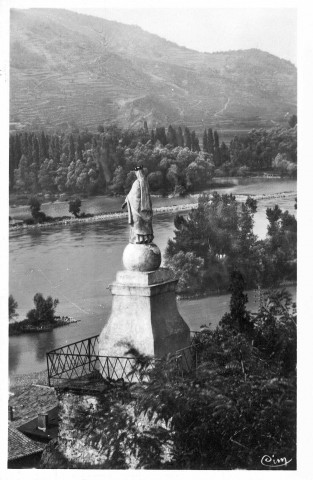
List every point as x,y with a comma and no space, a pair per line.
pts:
73,360
80,359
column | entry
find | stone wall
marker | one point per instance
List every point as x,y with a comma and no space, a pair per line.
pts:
96,431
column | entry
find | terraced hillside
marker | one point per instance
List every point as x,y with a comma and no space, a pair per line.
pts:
73,68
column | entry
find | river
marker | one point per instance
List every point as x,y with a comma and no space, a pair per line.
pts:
76,263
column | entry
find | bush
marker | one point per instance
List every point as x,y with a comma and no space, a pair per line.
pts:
74,207
35,205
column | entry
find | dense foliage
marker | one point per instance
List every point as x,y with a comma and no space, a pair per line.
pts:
91,163
44,310
238,405
217,237
260,148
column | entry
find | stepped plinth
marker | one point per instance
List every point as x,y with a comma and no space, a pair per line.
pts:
144,315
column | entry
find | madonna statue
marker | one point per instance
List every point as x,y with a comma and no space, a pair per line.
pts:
139,206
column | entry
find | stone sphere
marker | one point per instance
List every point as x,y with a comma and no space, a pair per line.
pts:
142,257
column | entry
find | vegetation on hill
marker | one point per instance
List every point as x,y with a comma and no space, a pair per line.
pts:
217,237
69,68
92,163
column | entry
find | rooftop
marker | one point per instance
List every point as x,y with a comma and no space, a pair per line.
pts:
20,446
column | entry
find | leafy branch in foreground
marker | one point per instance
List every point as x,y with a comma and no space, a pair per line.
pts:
237,405
241,400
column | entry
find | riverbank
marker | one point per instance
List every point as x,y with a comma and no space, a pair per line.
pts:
114,215
21,200
216,293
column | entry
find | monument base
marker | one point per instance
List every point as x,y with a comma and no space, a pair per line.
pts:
144,316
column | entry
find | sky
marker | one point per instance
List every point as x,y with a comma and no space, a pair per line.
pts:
215,29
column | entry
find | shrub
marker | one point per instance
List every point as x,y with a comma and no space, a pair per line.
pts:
74,207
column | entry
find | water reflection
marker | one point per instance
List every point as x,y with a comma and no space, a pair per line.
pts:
43,343
14,355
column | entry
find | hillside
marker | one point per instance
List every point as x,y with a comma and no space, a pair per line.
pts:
72,68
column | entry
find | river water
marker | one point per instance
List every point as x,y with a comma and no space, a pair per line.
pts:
76,263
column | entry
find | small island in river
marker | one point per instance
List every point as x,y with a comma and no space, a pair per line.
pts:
26,326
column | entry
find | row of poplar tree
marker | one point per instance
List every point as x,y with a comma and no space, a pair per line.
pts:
89,162
86,161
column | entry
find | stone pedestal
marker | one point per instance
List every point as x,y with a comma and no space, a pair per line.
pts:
144,315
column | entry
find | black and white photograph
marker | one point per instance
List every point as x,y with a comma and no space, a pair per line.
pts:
152,237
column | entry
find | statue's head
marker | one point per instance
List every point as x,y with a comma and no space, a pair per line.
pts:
139,171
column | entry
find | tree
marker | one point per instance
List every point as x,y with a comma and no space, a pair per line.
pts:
74,207
210,141
205,141
79,148
156,180
172,136
281,246
217,152
61,173
43,147
238,318
187,138
283,165
47,174
220,232
12,307
187,267
118,180
160,135
180,137
198,173
35,151
275,330
293,121
71,153
35,205
44,310
224,153
22,178
194,141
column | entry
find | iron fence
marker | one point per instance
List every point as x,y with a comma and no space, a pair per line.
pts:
80,359
73,360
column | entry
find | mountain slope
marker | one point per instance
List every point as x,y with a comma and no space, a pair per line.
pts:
69,67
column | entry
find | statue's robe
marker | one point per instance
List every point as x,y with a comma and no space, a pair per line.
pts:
140,212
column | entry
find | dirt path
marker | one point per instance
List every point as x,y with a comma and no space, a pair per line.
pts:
223,109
